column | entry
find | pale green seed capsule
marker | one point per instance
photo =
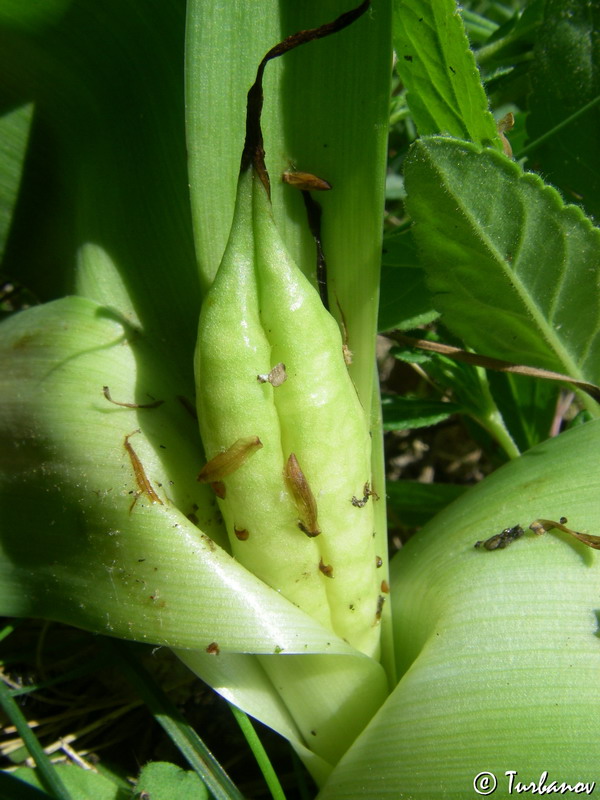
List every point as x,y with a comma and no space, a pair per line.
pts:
293,497
232,350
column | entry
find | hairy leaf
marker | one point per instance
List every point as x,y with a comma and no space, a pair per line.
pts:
513,270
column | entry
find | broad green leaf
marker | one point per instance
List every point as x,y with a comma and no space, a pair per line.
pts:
513,270
106,186
33,16
498,650
404,301
14,133
437,67
565,77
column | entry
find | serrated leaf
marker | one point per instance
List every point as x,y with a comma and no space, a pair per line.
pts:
404,413
565,77
436,65
513,270
498,650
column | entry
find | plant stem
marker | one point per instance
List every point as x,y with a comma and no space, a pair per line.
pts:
260,754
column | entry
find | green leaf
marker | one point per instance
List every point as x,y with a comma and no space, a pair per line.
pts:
527,405
259,752
513,270
81,784
14,132
49,777
498,650
511,44
94,558
162,780
402,413
437,67
323,701
416,503
565,77
33,16
468,384
105,185
404,300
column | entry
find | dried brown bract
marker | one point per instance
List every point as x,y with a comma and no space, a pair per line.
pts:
305,181
153,404
145,487
303,497
540,526
326,569
224,464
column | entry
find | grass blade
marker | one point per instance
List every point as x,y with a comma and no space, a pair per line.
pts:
47,773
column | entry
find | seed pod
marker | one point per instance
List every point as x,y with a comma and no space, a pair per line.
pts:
261,309
232,349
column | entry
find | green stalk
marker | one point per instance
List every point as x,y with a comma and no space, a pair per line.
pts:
260,753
